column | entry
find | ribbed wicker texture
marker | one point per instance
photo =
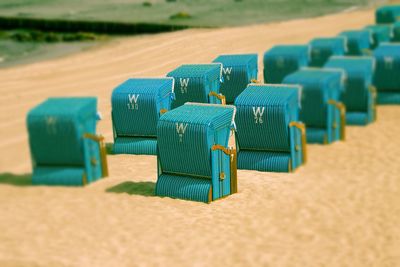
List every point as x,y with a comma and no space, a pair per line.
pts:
357,118
135,145
323,48
317,135
359,42
186,136
380,34
386,77
387,14
282,60
262,120
264,161
56,136
237,71
194,82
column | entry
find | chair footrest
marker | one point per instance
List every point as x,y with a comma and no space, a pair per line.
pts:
59,176
135,145
388,98
357,118
317,136
264,161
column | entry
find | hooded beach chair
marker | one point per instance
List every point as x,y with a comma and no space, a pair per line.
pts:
321,111
380,34
237,71
387,73
323,48
194,160
387,14
359,94
281,60
64,147
269,134
359,42
197,83
136,106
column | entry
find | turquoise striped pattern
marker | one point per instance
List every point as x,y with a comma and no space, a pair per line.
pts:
63,176
193,83
357,118
238,70
135,145
380,33
263,161
317,135
358,41
323,48
388,98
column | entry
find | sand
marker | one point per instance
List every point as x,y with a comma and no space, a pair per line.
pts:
341,209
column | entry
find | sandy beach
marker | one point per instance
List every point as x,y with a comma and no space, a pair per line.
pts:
341,209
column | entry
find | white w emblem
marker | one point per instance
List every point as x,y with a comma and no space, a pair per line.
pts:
184,85
133,101
227,72
258,113
180,130
388,62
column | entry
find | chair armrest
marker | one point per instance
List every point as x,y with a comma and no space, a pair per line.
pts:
103,151
219,96
342,109
302,129
231,152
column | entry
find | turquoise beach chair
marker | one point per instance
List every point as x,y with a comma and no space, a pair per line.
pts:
321,110
323,48
194,159
269,134
137,105
380,34
396,32
65,149
359,96
237,71
359,42
386,77
387,14
282,60
197,83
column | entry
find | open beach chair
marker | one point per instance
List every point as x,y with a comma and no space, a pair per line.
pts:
194,159
323,48
64,147
197,83
387,73
269,134
136,106
381,33
237,71
359,96
281,60
321,111
359,42
387,14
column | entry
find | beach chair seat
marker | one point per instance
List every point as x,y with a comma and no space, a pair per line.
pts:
136,106
359,95
386,76
64,147
320,109
194,159
387,14
281,60
380,34
359,42
323,48
197,83
269,134
237,72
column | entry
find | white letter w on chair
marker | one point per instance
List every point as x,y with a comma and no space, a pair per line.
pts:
258,113
184,82
180,130
133,101
227,73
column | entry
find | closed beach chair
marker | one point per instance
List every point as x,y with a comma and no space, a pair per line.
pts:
387,73
387,14
269,134
359,96
64,147
359,42
137,105
323,48
237,71
322,113
380,34
281,60
194,160
197,83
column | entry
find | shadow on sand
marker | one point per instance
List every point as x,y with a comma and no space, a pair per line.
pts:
134,188
16,179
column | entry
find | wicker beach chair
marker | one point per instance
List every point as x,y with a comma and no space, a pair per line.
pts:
380,34
194,160
387,14
65,149
323,48
137,105
269,134
359,42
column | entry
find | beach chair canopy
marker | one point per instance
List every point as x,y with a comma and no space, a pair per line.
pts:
192,163
387,14
63,144
359,42
237,72
137,105
323,48
281,60
265,136
197,83
381,33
